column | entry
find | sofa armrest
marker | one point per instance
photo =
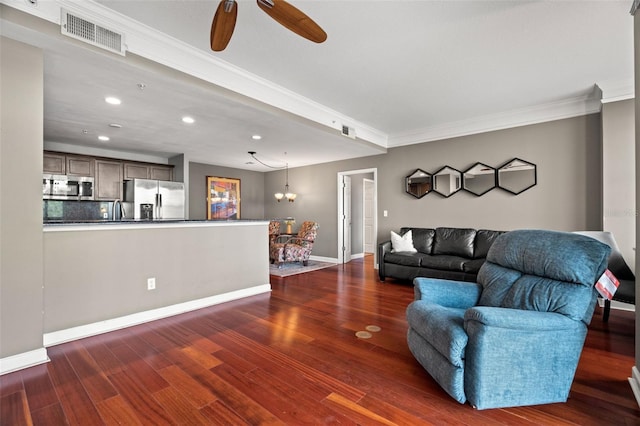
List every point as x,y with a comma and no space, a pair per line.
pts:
451,294
516,319
383,248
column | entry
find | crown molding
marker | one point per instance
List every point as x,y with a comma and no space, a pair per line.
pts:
614,91
567,108
634,7
151,44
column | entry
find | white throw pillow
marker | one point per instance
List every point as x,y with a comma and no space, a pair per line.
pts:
402,243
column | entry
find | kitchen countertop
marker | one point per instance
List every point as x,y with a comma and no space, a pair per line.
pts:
92,225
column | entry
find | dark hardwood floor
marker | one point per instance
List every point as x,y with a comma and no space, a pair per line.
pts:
292,357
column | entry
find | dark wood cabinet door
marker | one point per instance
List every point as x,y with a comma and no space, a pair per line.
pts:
54,163
135,171
80,166
161,173
108,180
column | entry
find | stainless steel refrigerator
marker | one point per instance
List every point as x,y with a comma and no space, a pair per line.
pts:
153,199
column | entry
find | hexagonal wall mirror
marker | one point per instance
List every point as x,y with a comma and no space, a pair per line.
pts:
447,181
418,183
516,176
479,179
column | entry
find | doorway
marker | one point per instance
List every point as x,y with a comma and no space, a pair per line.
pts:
357,213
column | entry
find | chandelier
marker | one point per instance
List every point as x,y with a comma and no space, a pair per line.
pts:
290,196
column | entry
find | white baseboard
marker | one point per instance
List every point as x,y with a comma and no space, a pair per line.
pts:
75,333
634,381
324,259
357,256
23,360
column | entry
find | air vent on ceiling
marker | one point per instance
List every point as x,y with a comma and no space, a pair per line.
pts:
349,132
92,33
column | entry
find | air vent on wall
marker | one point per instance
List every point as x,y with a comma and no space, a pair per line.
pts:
92,33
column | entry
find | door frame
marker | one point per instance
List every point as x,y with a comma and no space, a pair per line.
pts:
364,225
340,211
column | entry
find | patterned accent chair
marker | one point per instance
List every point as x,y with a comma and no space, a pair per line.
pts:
274,231
295,249
514,337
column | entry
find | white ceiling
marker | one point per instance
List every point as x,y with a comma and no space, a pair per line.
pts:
399,72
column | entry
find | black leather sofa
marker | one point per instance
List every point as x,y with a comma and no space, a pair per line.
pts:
448,253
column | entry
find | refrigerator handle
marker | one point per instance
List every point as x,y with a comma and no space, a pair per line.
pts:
159,204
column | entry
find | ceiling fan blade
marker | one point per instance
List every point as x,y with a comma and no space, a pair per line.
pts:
224,21
292,18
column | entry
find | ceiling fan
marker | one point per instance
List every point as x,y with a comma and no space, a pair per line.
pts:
286,14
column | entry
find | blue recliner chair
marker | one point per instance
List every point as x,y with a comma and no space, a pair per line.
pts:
515,337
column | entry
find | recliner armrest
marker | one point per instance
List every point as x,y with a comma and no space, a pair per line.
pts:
516,319
451,294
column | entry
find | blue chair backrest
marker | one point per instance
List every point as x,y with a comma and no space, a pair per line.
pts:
542,270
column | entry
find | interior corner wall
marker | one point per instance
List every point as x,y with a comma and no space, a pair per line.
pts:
252,195
567,196
636,54
618,175
21,241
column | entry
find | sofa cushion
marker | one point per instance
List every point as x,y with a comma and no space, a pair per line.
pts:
454,241
422,238
484,240
444,262
473,266
403,258
402,243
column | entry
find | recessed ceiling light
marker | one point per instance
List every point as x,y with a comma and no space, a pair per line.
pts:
188,120
115,125
256,137
112,100
104,138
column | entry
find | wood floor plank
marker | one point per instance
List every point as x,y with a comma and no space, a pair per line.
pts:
139,370
194,392
147,409
115,411
14,409
218,414
38,387
182,412
49,415
90,374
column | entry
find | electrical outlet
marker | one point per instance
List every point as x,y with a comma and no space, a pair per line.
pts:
151,283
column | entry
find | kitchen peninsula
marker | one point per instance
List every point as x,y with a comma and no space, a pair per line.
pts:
97,274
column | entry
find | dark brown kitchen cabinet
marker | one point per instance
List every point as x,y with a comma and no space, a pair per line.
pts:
147,171
108,184
161,172
54,163
135,171
80,166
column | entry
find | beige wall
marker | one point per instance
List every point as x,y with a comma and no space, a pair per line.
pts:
21,109
636,37
188,263
251,190
567,196
618,175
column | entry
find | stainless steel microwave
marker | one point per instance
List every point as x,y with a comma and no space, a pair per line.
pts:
61,187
